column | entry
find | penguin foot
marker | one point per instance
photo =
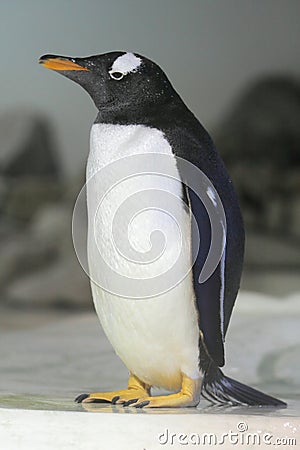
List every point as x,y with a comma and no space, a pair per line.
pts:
179,400
130,396
98,397
188,396
114,397
136,389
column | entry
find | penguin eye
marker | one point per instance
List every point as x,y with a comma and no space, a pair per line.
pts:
116,75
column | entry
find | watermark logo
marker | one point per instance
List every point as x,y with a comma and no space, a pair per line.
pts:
241,437
132,225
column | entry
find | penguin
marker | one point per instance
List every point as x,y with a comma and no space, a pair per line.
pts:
175,339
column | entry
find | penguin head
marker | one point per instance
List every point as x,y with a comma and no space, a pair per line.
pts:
116,80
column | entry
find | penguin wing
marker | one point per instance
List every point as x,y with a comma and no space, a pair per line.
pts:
210,298
216,296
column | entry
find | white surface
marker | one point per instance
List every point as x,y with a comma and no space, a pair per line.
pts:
43,430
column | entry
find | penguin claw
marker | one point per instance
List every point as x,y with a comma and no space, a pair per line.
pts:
86,398
129,402
142,404
81,397
115,399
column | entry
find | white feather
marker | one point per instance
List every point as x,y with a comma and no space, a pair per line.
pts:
157,338
126,63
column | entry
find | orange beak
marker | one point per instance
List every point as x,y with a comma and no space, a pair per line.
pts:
58,63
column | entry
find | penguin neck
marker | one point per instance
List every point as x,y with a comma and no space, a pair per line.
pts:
149,114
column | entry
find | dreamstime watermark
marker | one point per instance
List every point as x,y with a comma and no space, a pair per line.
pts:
238,438
134,238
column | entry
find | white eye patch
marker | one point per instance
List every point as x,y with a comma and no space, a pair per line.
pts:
123,65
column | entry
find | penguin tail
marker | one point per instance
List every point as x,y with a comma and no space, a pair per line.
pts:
218,388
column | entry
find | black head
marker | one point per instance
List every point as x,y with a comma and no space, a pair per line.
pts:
116,81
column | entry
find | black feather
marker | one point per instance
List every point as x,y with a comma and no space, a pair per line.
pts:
220,389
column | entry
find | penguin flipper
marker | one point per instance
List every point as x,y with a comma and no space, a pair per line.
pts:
207,294
215,298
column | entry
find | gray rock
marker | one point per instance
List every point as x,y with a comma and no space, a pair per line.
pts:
63,284
26,145
52,225
266,251
260,142
22,253
278,283
38,264
29,165
44,270
264,123
294,223
26,195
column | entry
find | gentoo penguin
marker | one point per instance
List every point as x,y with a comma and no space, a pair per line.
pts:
175,338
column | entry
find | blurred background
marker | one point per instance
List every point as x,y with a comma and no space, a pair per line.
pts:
236,65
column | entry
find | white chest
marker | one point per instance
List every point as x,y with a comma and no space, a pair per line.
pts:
139,244
139,251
